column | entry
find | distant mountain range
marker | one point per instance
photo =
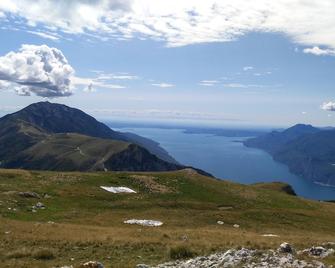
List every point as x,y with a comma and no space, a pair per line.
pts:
48,136
306,150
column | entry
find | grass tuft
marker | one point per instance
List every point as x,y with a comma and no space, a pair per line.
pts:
181,252
44,254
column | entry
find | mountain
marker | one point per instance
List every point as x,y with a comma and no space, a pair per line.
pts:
58,118
50,136
152,146
306,150
271,142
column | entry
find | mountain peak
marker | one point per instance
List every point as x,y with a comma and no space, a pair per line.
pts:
299,129
57,118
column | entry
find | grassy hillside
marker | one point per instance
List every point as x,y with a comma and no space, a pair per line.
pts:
82,222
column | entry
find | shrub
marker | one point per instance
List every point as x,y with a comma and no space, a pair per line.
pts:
181,252
44,254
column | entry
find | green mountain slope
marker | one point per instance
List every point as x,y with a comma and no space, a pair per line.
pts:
58,118
33,139
82,222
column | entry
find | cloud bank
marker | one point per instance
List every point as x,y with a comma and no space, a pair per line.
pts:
328,106
41,70
319,51
181,22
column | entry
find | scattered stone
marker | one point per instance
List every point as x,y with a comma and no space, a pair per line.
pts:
319,252
285,248
29,195
92,264
236,226
184,238
142,266
245,258
150,223
220,222
38,206
46,196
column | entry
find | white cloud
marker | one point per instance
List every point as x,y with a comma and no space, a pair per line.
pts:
117,76
45,35
90,84
247,68
319,51
208,83
183,22
238,85
41,70
328,106
162,85
255,86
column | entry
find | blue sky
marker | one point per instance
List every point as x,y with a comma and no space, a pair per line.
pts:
217,65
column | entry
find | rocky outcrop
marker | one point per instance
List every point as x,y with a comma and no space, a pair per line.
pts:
284,256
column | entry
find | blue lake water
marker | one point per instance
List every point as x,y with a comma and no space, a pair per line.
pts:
226,158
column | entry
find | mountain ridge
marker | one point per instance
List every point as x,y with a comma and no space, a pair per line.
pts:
25,142
308,151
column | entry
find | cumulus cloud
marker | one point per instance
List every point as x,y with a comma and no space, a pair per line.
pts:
36,69
182,22
319,51
328,106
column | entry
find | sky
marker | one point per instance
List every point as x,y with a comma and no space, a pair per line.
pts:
218,63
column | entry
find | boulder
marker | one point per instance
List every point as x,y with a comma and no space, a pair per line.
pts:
285,248
92,264
320,252
29,195
142,266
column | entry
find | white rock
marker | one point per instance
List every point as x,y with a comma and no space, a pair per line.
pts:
117,190
220,222
150,223
320,252
270,235
236,226
93,264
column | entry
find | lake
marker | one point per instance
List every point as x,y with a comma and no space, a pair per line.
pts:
227,158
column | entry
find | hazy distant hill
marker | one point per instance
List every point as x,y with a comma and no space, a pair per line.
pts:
56,137
306,150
